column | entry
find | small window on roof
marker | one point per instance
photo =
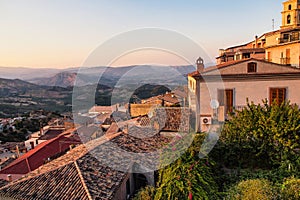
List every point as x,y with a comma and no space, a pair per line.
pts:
252,67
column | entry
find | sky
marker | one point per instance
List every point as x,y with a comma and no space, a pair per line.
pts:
63,33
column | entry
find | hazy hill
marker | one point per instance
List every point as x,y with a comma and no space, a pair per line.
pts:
16,86
26,73
112,76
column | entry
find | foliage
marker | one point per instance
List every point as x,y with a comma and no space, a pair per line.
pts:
264,136
189,177
291,189
146,193
253,189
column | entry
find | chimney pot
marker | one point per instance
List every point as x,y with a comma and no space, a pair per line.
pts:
9,178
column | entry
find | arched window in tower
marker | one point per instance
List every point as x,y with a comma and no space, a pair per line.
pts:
290,7
288,19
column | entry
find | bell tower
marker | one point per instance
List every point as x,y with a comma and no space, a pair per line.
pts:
200,64
291,14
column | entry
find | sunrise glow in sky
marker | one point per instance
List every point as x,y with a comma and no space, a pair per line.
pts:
62,33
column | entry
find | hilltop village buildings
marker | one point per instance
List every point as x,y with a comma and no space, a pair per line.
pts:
69,163
265,68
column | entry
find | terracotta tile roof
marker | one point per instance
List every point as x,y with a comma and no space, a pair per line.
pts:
51,134
179,93
140,145
114,128
37,156
171,98
63,183
229,63
87,132
102,182
76,175
103,109
83,172
195,73
252,50
3,182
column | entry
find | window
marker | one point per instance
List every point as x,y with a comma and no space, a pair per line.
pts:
252,67
259,45
288,19
225,98
290,7
269,56
277,95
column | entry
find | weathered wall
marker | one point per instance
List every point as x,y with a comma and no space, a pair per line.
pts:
140,109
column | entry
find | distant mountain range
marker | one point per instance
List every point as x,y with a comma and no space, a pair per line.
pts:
26,89
110,76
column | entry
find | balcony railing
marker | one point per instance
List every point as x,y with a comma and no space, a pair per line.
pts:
285,61
289,39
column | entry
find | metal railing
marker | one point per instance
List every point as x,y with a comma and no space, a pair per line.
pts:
285,61
289,39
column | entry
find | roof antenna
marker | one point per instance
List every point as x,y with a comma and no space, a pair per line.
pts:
273,24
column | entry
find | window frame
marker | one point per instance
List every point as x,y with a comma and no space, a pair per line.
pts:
227,96
276,99
252,67
289,19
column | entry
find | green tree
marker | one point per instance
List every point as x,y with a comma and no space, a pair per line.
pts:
188,178
264,136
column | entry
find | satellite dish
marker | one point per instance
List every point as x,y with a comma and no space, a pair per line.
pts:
214,104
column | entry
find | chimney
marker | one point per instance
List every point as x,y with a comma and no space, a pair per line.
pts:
200,65
256,41
32,145
9,178
41,131
18,151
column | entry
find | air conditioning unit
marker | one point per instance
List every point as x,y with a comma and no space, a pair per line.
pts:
206,120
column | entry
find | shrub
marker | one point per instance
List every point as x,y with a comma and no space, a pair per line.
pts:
291,189
252,190
146,193
263,136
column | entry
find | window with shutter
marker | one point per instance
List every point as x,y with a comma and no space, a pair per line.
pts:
225,98
277,95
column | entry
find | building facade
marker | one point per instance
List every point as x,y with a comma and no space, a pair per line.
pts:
216,91
281,46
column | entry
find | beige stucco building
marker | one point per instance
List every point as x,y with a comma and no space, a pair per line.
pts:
216,91
281,46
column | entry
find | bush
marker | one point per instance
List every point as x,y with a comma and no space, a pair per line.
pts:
291,189
252,190
263,136
146,193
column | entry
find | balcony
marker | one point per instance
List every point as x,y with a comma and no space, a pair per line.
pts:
285,61
289,39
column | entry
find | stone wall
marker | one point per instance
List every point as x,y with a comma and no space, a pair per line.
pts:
173,119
